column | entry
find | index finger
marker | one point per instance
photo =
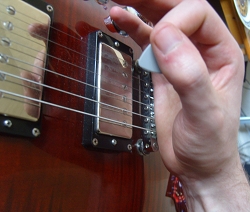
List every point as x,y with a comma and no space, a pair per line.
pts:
154,10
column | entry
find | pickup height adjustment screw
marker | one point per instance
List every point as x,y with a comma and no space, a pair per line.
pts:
3,58
49,8
5,42
11,10
2,78
36,132
8,25
7,123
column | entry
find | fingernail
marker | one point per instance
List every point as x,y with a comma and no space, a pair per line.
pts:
168,39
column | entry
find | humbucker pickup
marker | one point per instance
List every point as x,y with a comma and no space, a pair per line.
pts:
22,63
121,99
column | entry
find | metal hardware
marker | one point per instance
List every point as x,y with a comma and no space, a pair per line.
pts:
106,96
7,123
11,10
114,142
117,44
22,113
148,142
112,94
129,147
36,132
8,25
49,8
5,42
95,142
3,58
244,120
124,74
100,34
2,76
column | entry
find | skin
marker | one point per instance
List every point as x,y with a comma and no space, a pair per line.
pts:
197,98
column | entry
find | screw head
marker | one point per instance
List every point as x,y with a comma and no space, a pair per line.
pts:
11,10
95,142
36,132
49,8
100,34
7,123
8,25
5,42
114,142
129,147
117,44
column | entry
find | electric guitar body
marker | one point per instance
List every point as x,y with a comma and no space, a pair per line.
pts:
65,83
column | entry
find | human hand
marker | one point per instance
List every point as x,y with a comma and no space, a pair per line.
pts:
197,96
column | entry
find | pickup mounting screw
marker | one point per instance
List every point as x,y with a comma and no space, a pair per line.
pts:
129,147
7,123
95,142
114,142
100,34
117,44
36,132
49,8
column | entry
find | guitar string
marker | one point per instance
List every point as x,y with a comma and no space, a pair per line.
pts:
77,111
51,27
75,79
122,110
105,79
118,82
76,38
64,76
78,66
68,35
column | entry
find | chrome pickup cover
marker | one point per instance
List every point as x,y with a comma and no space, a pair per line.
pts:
23,48
115,93
24,27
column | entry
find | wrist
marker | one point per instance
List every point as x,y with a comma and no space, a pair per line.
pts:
226,191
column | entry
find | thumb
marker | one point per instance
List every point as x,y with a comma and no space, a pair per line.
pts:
182,65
